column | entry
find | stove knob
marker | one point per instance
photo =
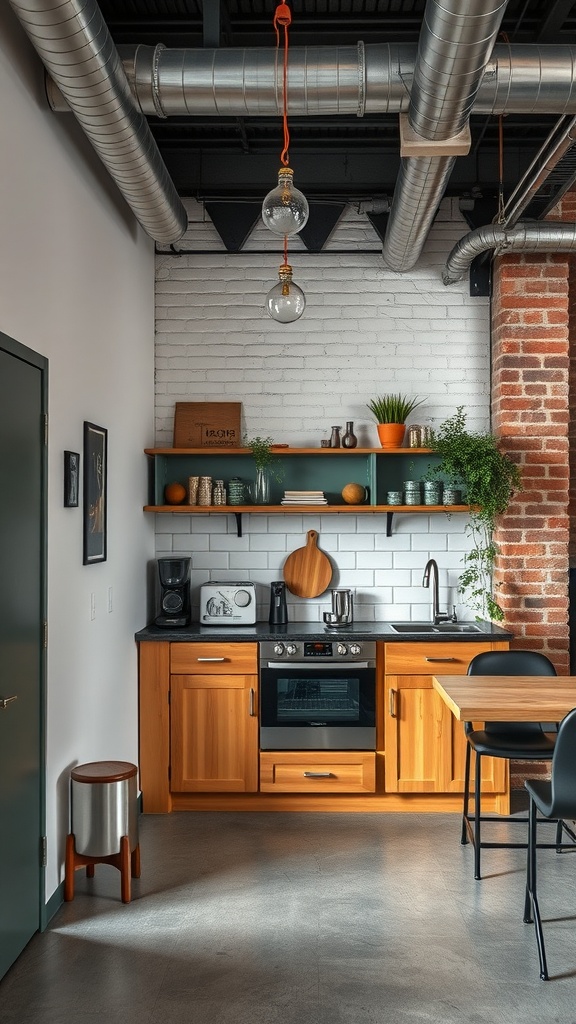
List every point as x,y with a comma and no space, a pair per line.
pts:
355,648
341,649
278,648
291,648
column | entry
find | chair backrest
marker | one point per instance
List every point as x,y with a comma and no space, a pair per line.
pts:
563,779
511,663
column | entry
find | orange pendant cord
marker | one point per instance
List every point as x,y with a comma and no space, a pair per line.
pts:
282,19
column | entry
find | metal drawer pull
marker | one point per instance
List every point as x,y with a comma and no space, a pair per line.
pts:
441,659
307,664
5,701
251,710
392,703
210,659
318,775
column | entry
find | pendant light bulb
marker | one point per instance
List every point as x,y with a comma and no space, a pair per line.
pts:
285,209
285,301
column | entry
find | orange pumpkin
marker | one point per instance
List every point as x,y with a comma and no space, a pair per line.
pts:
174,494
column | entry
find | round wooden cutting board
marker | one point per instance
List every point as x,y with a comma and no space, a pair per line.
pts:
308,571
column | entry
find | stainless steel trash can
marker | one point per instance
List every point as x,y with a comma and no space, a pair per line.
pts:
104,807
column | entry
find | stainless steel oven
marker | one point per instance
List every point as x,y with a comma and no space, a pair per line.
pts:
318,695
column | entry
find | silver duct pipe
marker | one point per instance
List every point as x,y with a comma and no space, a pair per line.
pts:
365,79
549,237
248,82
75,46
453,51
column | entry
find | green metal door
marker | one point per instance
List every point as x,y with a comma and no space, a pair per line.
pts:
22,387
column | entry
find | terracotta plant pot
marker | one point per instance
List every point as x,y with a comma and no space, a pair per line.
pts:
391,435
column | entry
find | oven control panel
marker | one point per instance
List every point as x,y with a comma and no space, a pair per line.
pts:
317,651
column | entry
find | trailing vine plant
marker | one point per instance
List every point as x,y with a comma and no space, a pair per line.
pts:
490,478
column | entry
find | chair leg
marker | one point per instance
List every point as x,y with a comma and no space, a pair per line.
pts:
531,901
559,830
477,838
464,833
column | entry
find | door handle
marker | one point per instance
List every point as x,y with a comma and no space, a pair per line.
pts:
318,775
210,659
441,659
5,701
251,706
392,703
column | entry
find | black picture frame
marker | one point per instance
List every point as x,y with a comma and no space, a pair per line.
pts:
95,493
71,479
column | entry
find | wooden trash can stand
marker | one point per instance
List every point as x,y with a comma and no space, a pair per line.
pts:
104,803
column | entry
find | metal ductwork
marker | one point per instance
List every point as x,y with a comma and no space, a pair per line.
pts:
76,48
456,68
453,51
361,79
550,237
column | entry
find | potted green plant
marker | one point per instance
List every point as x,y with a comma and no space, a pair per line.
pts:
266,466
473,460
391,413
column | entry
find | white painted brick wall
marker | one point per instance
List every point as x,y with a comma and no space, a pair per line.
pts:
366,331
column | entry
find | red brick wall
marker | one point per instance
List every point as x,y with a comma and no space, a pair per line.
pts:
530,409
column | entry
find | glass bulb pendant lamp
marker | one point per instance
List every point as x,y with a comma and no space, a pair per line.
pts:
285,209
285,301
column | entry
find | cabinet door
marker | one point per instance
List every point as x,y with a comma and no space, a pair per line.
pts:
425,745
214,733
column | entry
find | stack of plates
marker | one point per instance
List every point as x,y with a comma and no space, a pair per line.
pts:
304,498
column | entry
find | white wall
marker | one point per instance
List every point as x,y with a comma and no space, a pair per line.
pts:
77,286
366,330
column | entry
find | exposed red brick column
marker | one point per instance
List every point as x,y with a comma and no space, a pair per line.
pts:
530,389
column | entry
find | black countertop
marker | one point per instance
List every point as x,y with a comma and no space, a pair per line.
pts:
316,631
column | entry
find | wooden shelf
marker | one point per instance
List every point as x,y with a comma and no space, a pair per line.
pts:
378,470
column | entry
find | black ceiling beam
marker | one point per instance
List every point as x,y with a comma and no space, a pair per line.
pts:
554,21
211,23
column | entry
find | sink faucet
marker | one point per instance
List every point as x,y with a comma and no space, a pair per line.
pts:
437,616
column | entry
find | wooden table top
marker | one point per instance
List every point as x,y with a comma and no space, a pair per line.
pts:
507,698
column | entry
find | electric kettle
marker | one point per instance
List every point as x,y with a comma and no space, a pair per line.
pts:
278,610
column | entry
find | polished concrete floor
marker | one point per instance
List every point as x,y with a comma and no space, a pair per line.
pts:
303,919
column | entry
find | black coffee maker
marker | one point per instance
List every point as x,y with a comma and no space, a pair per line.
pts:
278,610
174,592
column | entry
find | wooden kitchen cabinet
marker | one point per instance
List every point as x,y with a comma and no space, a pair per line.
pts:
214,718
425,745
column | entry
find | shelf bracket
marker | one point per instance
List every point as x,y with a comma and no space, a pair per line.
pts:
238,517
389,518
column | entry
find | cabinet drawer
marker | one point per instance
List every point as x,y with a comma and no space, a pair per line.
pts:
430,659
213,658
348,771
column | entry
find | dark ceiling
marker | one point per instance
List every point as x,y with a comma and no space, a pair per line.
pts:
339,157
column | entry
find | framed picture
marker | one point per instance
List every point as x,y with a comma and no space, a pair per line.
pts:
95,471
71,479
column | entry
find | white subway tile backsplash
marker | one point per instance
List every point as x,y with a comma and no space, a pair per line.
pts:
367,330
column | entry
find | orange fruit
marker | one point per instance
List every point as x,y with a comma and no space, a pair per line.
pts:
354,494
174,494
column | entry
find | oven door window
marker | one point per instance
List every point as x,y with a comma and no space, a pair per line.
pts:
343,697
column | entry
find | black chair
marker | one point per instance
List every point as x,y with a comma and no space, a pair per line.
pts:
555,799
523,741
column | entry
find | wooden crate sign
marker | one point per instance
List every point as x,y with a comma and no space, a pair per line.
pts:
207,425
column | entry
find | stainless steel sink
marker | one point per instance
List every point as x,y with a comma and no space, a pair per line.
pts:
450,628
